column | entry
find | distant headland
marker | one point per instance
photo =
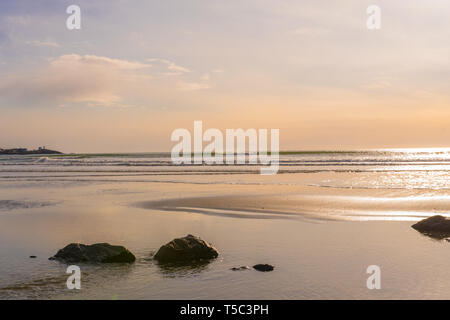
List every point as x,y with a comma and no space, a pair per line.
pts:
40,150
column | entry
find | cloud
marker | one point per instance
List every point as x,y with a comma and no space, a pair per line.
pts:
74,60
173,68
43,43
95,81
72,78
193,86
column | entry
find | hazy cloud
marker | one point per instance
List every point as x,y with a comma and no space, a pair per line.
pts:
45,43
96,80
171,67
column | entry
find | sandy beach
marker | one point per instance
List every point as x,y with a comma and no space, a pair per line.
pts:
320,239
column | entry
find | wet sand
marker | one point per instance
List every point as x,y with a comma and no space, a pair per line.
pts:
320,223
316,254
309,203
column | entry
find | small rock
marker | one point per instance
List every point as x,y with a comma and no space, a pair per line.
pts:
33,257
186,250
99,252
436,226
240,268
263,267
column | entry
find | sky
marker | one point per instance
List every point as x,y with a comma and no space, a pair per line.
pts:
139,69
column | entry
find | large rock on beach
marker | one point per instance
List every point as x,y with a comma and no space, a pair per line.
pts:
99,252
186,250
437,226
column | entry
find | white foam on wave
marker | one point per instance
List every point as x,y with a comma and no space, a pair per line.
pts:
42,160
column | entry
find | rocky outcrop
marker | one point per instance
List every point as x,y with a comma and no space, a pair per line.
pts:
23,151
263,267
186,250
99,252
435,226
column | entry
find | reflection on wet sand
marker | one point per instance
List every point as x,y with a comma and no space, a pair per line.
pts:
295,206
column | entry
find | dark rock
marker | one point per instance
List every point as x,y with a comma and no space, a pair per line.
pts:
263,267
99,252
435,226
33,257
240,268
186,250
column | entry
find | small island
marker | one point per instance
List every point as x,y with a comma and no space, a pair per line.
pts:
40,150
